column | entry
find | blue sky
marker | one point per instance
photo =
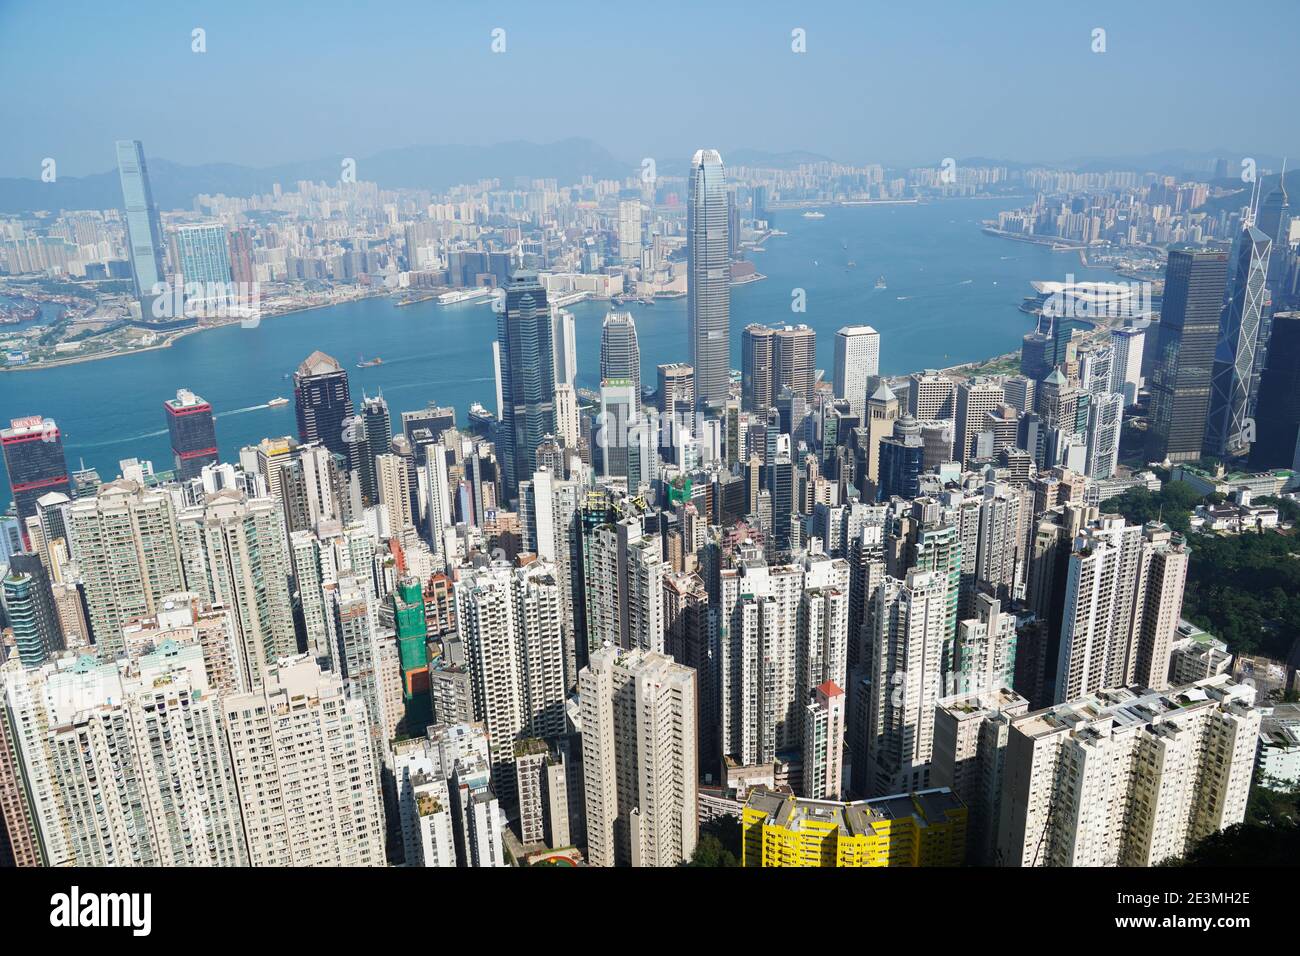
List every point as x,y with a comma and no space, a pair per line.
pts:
897,82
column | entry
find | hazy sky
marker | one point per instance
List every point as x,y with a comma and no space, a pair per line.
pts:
893,82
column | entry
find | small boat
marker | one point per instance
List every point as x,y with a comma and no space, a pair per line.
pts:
880,283
814,215
370,363
277,402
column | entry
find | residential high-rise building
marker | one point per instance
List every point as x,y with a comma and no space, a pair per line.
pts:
629,231
193,433
1233,382
1075,775
620,356
323,404
905,668
708,279
143,227
127,547
29,610
34,461
823,743
638,712
1183,362
305,771
927,828
527,378
857,362
233,549
970,742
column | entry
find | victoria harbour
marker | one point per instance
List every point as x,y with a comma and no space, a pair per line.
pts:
951,297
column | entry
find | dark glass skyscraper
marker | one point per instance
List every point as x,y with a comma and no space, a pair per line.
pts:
708,279
143,227
378,437
1184,361
527,378
1277,417
1234,358
323,403
33,452
193,433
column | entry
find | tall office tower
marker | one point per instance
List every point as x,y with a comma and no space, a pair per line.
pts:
985,657
234,553
638,757
1105,422
1183,362
34,461
509,622
616,431
780,483
193,433
882,413
629,231
901,459
1036,353
794,354
29,610
857,362
1123,588
436,418
323,403
1074,774
1058,404
918,829
756,354
308,782
527,378
1277,435
565,345
708,279
676,388
1126,362
1274,221
932,396
823,743
438,515
141,764
1232,383
568,424
905,670
970,743
143,227
620,356
127,547
393,491
974,399
376,439
203,258
1019,392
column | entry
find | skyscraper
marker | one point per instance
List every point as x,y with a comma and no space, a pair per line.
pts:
676,388
524,343
1234,358
204,262
193,433
708,279
34,460
143,227
1184,354
794,353
377,424
756,393
1277,443
620,355
323,403
1126,362
857,362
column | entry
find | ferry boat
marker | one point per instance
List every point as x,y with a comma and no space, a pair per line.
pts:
370,363
814,215
277,402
